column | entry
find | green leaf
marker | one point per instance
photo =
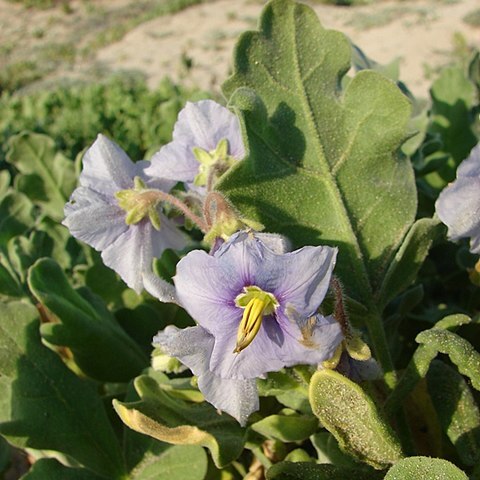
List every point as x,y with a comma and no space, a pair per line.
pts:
310,471
54,470
289,389
460,351
321,165
16,216
45,405
50,176
456,409
23,251
329,452
351,416
453,96
288,427
99,345
415,468
409,258
10,286
5,180
174,421
420,363
179,462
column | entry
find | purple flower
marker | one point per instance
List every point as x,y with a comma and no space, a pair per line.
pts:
115,210
256,312
458,205
206,141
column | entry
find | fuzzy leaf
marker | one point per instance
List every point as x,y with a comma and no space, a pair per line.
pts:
460,351
49,176
350,415
310,471
286,427
45,405
453,96
54,470
456,409
174,421
16,216
420,362
414,468
321,166
99,345
409,258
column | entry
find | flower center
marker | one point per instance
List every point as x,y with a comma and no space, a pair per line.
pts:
256,304
138,203
215,162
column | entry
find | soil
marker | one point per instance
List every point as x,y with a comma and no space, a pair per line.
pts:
195,46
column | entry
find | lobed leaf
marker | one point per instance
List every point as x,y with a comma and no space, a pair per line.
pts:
321,165
346,411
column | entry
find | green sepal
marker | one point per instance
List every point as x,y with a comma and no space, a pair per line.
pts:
346,411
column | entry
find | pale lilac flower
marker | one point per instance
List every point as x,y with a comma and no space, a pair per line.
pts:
106,213
206,136
256,312
458,205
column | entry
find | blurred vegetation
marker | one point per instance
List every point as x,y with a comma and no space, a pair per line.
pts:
122,108
32,53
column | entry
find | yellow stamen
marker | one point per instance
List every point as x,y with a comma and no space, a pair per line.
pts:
250,324
257,304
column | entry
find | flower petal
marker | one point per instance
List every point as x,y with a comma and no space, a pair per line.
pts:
106,167
300,278
458,205
207,287
274,348
202,124
159,288
193,347
174,161
90,218
131,255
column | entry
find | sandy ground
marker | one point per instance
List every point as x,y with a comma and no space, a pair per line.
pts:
195,45
420,33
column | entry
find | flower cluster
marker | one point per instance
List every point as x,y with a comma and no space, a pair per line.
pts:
256,305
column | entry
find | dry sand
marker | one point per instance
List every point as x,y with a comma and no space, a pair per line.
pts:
420,33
